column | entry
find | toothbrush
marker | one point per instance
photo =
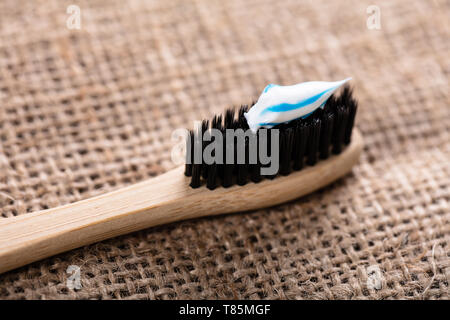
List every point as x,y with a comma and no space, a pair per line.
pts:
320,135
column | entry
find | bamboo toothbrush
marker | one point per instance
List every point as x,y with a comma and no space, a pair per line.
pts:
323,138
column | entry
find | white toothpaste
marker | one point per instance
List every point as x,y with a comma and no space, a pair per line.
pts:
278,104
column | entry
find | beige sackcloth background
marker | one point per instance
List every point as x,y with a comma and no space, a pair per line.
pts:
83,112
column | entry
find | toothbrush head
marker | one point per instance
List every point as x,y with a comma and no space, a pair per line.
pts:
240,152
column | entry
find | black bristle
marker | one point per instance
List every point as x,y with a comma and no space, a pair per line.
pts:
352,108
326,134
242,169
255,168
196,175
228,148
211,181
331,102
302,140
255,172
314,138
189,153
286,145
269,152
229,119
217,122
196,164
214,168
242,122
345,97
339,128
205,126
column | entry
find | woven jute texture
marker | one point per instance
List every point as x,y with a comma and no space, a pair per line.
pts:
86,111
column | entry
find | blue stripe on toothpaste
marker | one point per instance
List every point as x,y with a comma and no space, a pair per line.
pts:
269,124
277,123
303,117
269,86
283,107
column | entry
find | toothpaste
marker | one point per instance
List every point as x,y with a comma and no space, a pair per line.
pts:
278,104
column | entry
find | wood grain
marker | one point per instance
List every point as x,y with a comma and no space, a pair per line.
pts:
164,199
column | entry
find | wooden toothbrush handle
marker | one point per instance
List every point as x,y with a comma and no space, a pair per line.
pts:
31,237
164,199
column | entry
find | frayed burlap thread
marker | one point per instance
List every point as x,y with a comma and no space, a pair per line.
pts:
86,111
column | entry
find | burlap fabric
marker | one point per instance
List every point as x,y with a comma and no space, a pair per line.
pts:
87,111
